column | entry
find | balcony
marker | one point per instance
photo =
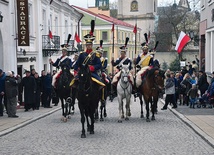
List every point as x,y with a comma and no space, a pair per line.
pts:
50,46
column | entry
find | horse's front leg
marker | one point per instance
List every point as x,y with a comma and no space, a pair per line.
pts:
141,106
154,108
101,110
63,111
121,113
128,111
147,110
83,122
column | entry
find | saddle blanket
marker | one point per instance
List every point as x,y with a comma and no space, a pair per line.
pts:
57,75
140,74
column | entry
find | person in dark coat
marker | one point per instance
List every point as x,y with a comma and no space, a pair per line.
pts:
47,90
11,89
43,74
2,90
202,82
38,90
28,84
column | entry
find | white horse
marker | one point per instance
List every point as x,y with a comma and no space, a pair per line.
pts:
124,91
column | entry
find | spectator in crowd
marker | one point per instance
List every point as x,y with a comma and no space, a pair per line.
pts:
190,71
38,90
11,89
212,80
178,89
33,71
193,94
29,86
202,82
170,92
186,84
2,91
47,90
43,75
184,71
194,66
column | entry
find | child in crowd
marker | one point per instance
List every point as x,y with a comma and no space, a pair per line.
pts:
193,94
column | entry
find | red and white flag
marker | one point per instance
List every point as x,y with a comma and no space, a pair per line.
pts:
182,41
50,34
135,29
76,37
112,29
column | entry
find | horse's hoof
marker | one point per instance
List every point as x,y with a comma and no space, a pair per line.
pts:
105,114
69,117
141,116
129,114
153,118
101,119
122,116
126,118
88,129
72,112
119,121
83,136
147,120
91,132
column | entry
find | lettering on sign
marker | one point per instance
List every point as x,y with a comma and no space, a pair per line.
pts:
23,24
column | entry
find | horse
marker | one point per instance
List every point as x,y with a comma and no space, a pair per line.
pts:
152,84
103,100
64,92
88,98
124,91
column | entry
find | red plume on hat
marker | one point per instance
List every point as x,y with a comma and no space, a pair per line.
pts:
146,37
92,27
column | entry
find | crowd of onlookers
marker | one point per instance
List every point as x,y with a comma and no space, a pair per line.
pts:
187,87
36,91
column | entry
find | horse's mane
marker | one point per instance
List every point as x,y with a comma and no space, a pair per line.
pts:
151,72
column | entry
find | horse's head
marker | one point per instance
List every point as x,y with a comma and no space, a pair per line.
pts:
84,75
125,73
65,78
159,78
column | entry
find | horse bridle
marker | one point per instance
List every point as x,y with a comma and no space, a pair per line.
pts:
125,82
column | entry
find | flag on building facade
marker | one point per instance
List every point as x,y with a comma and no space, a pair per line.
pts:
135,29
182,41
76,37
50,34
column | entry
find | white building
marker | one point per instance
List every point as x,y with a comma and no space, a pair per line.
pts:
59,17
207,35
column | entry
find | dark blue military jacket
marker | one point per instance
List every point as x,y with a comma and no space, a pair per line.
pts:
66,61
126,62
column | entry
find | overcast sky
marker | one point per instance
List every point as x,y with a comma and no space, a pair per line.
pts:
85,3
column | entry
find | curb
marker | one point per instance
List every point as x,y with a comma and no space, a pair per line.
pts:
16,127
195,128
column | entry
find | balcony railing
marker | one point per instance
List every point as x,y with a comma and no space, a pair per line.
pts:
50,46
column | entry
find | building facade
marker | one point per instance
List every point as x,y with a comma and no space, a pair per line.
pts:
8,59
103,31
58,19
206,39
142,12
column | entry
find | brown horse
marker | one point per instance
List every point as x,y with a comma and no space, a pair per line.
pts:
152,84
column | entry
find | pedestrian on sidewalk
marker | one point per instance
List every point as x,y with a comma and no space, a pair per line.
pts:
47,90
38,90
193,94
29,85
2,91
170,92
11,89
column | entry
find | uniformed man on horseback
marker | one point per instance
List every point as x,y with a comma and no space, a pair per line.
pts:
63,61
123,59
89,57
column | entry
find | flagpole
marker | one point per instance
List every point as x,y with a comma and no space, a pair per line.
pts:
112,69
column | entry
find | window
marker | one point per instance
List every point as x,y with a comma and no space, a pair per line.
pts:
104,35
44,22
134,5
56,25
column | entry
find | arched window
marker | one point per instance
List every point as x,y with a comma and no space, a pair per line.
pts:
134,5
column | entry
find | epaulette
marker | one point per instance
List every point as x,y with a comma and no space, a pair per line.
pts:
98,54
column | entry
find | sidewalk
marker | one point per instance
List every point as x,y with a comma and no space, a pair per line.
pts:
8,125
201,120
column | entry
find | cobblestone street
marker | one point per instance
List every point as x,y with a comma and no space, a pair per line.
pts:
166,135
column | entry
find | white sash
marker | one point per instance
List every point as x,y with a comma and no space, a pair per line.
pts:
121,62
62,60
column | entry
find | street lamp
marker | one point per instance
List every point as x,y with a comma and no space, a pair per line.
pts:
1,17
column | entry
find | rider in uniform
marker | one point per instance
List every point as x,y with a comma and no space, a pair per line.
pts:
64,60
144,61
123,59
89,57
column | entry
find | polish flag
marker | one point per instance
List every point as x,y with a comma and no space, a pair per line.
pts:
182,41
77,38
135,29
112,29
50,34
